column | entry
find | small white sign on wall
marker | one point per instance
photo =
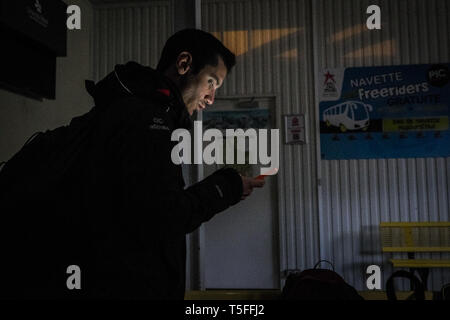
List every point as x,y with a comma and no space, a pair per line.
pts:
294,129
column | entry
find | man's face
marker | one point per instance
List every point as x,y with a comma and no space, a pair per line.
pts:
199,90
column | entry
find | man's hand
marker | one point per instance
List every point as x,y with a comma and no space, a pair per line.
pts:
248,184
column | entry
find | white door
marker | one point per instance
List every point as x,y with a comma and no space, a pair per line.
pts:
240,245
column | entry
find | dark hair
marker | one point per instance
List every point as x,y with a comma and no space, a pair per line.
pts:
203,46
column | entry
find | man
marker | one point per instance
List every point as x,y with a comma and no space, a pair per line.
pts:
154,211
122,213
142,247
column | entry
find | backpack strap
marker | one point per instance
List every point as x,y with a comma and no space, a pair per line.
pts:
419,289
320,261
34,135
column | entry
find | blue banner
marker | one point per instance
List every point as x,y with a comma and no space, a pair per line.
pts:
385,112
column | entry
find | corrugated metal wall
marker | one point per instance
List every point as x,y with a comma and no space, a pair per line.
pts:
358,194
129,31
278,43
274,56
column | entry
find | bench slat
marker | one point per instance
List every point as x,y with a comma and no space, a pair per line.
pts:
415,236
420,263
413,224
416,249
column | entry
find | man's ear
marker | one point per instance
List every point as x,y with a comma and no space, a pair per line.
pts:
184,62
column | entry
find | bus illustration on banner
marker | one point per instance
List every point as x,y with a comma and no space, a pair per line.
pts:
349,115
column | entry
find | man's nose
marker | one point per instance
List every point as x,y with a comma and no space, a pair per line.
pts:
209,99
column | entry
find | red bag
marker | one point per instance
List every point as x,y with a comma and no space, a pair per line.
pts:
318,284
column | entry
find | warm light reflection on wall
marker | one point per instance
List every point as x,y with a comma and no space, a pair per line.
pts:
348,33
241,41
386,48
383,49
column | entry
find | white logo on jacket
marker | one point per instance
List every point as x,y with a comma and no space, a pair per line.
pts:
158,124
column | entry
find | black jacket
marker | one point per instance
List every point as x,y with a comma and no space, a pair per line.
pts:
139,210
121,212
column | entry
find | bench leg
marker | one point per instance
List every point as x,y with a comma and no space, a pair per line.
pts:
423,273
411,286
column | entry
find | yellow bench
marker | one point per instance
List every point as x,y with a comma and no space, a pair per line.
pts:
415,237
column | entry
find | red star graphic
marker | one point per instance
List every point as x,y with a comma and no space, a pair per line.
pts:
329,76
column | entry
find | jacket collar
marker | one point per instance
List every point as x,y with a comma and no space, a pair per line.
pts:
144,82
